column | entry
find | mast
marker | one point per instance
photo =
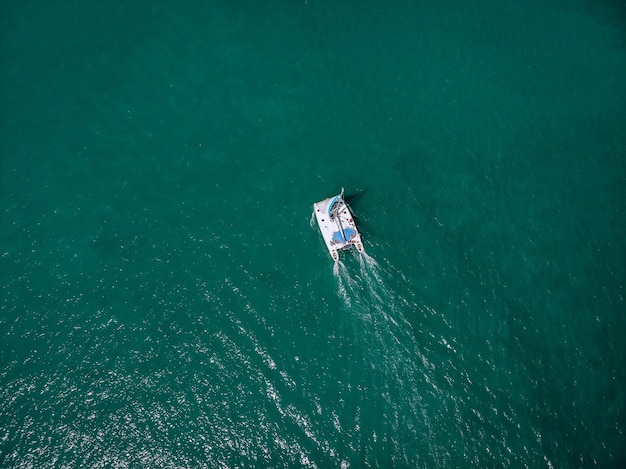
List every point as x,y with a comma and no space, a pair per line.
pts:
339,201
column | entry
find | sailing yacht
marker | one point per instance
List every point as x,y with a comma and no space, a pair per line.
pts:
337,225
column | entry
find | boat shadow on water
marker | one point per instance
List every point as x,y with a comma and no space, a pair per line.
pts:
352,199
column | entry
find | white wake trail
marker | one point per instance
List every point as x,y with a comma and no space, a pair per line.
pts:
339,272
380,316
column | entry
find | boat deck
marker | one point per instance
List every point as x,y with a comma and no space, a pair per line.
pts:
339,231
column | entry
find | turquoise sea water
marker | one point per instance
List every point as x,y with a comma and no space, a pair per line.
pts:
165,301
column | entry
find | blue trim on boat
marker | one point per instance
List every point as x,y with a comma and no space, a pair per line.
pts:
348,234
330,206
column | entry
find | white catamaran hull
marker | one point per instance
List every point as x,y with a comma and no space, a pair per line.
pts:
337,225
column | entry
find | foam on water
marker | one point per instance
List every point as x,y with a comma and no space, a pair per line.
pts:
393,352
416,358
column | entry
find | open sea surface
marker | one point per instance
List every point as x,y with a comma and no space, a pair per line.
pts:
165,301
